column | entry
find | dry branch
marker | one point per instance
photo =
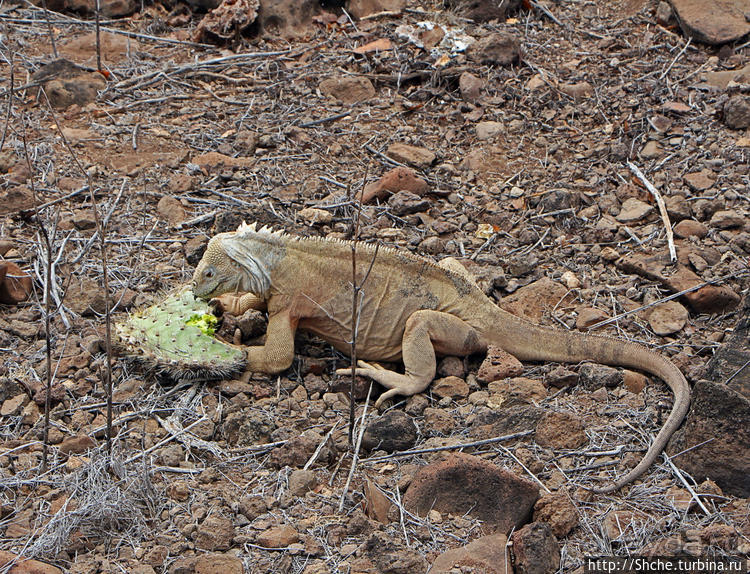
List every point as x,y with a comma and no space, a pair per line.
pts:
662,208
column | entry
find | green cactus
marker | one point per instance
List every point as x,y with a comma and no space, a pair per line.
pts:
175,338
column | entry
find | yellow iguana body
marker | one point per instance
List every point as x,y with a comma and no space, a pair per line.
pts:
410,310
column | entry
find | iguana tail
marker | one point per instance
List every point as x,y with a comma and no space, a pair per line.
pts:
531,342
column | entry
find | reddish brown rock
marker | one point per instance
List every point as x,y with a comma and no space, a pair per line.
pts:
226,19
470,87
561,377
348,89
664,14
557,510
485,555
171,209
675,107
727,219
730,361
499,364
109,8
16,198
215,533
419,157
178,490
15,284
499,422
533,300
634,382
251,507
485,162
19,526
21,565
707,299
588,316
393,181
14,405
278,536
77,444
516,391
452,367
362,8
377,503
680,499
496,49
214,161
699,181
114,48
634,210
488,130
690,227
714,22
452,387
483,11
57,393
301,482
438,422
467,484
66,84
297,451
579,91
560,430
667,318
652,150
183,565
405,203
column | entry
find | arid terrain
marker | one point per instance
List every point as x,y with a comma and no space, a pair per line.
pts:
523,145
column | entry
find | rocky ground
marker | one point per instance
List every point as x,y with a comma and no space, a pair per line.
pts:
521,143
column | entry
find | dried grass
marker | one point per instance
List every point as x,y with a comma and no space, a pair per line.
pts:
101,507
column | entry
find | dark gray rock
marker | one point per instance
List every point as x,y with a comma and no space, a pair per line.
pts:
395,430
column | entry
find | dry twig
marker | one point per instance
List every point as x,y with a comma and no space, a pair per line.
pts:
662,208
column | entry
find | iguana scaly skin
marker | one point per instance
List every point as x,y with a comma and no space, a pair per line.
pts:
410,310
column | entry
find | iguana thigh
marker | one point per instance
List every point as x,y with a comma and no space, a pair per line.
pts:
426,333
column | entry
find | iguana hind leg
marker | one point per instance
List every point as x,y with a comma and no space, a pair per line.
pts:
426,333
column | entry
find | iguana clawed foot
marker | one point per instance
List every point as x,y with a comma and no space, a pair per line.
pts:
397,383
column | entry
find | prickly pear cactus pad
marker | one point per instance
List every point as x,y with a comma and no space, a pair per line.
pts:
175,338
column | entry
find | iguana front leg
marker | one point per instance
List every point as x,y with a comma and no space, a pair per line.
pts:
426,333
237,304
277,353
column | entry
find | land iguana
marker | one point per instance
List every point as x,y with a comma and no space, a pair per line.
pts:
410,310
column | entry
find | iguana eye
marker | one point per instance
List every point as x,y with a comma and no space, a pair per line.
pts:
208,273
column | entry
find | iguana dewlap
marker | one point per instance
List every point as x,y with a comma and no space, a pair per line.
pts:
411,309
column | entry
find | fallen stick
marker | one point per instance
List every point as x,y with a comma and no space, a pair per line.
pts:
448,447
662,208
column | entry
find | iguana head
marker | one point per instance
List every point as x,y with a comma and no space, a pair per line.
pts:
240,261
216,272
